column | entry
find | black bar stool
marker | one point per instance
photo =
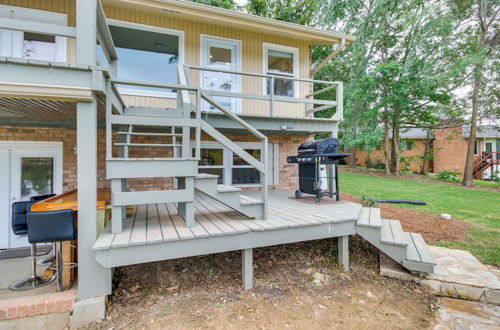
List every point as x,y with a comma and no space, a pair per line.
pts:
53,227
20,227
46,261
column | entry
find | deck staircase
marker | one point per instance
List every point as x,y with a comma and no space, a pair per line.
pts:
229,196
407,249
175,136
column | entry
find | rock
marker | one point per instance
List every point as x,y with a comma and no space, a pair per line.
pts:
447,289
492,296
432,285
369,294
446,216
469,292
319,279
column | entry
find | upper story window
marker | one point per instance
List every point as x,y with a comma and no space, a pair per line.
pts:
281,61
33,45
146,53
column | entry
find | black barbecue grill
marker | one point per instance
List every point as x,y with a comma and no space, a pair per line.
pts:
310,156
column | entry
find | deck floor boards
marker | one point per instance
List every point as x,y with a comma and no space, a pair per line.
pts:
157,223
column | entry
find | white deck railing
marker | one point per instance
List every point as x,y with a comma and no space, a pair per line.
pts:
311,105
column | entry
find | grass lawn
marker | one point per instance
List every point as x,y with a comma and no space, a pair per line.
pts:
479,207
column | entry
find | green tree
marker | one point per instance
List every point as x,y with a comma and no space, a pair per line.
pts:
226,4
483,44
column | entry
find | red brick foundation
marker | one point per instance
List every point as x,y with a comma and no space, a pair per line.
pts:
56,302
287,146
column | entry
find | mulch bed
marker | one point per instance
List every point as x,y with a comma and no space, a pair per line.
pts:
432,227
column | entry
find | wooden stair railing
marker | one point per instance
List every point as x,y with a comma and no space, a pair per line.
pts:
488,159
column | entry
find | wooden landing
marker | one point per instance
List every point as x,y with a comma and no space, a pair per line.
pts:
158,226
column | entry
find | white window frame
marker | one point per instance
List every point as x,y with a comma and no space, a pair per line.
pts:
239,62
265,61
12,42
151,28
273,158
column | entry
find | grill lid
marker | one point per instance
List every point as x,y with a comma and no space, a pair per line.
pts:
325,146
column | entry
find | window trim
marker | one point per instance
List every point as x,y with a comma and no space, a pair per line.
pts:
150,28
266,46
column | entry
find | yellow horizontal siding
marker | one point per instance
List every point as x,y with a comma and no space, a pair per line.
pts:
252,51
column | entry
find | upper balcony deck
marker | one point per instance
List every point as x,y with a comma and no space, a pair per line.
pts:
85,68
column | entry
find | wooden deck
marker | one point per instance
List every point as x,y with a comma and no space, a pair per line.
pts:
159,226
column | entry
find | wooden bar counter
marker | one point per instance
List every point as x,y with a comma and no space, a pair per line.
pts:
69,200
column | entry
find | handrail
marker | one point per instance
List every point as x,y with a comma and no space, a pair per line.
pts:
262,75
231,115
316,104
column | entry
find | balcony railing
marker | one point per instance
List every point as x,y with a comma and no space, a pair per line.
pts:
311,105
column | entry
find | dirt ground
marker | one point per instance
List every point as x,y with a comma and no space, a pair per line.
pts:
295,286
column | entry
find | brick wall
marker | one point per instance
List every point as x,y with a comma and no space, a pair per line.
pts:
288,146
411,155
450,150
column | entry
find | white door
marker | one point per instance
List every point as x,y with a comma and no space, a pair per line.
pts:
27,169
225,54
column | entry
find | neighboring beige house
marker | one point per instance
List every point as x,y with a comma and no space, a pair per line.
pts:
449,149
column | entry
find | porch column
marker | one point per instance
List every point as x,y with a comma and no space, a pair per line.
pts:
343,250
247,268
93,279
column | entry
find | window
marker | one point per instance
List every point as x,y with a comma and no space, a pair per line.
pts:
242,172
232,169
407,144
212,162
475,147
224,54
281,61
146,55
39,46
489,147
33,45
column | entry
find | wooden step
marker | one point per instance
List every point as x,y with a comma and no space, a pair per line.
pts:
398,234
370,217
246,200
203,176
223,188
392,233
424,255
364,217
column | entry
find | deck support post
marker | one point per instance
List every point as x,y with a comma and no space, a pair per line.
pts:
247,268
343,250
93,279
186,209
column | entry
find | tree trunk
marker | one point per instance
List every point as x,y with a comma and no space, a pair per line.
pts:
395,145
386,144
468,175
352,157
426,152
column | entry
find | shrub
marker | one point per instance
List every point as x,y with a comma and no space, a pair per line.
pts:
368,201
449,176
